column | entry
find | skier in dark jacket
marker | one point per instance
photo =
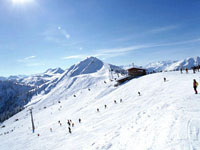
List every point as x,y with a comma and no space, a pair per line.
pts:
70,131
181,70
195,84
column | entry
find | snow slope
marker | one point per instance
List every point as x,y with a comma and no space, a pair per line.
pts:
164,117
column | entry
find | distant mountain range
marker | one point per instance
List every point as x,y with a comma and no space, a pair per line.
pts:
92,64
173,65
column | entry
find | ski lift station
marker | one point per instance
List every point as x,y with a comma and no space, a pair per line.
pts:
133,72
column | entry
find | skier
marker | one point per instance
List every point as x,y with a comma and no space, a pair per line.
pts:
165,79
186,70
139,94
120,100
68,122
195,85
105,106
97,109
70,131
115,101
194,69
79,120
181,70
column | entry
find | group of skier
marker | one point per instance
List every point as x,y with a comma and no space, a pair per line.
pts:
105,106
195,83
186,70
71,124
195,69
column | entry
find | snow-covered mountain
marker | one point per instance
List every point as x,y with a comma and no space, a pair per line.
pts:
89,65
186,63
17,77
13,97
85,68
173,65
3,78
162,118
42,78
54,71
159,66
43,83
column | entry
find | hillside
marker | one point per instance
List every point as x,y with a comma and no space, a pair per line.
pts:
164,117
13,97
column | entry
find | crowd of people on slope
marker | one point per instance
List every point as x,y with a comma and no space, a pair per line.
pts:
194,68
195,83
69,123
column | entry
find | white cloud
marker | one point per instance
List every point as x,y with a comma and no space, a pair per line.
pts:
26,59
30,61
180,42
124,49
114,52
147,33
119,51
163,29
74,57
29,57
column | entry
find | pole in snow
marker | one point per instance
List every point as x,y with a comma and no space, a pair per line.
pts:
33,127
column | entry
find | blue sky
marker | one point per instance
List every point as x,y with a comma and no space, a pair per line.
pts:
39,34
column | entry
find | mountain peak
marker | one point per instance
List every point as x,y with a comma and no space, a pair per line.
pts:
54,71
89,65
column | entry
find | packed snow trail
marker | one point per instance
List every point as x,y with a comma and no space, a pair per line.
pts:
164,117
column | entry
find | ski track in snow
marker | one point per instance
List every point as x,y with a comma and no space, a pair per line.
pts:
164,117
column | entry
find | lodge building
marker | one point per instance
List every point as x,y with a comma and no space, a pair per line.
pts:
133,72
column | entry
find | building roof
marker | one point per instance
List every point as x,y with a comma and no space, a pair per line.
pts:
136,68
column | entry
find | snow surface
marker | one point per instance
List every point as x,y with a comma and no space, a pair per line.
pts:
164,117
